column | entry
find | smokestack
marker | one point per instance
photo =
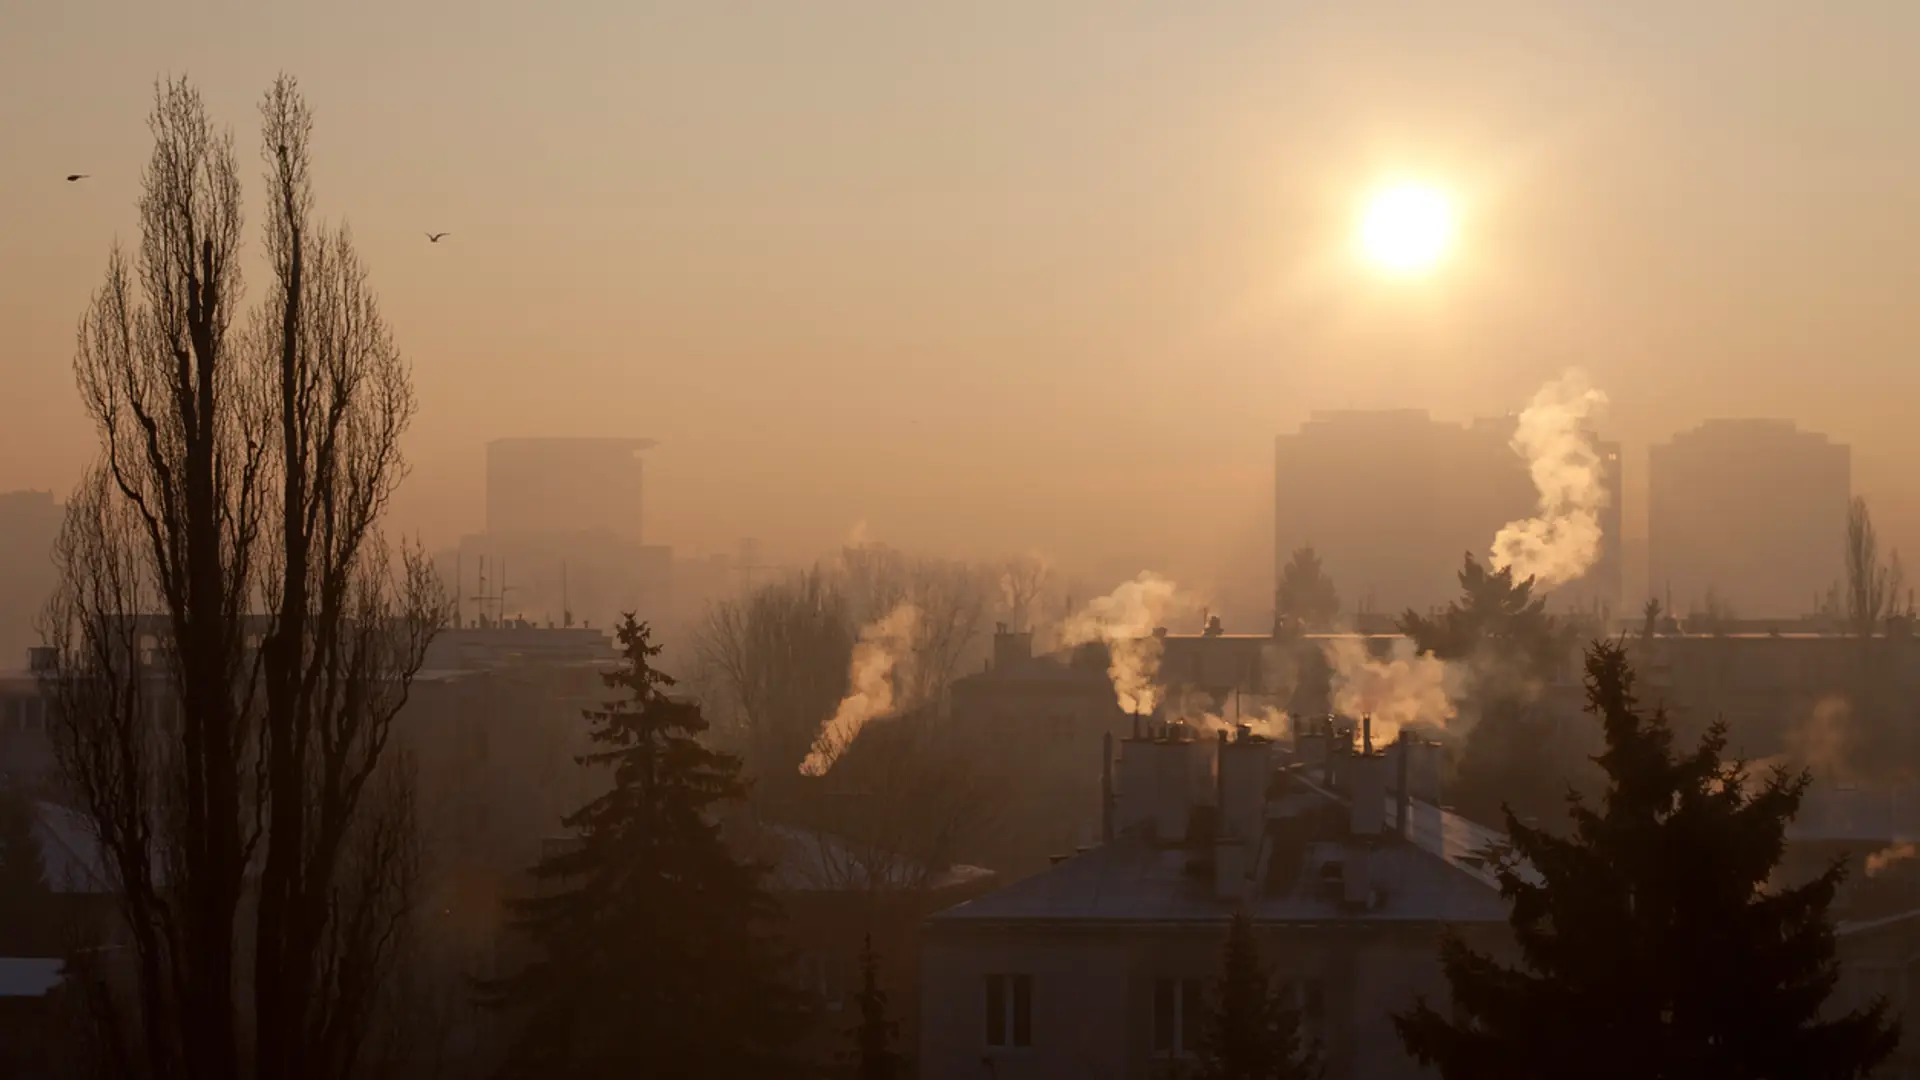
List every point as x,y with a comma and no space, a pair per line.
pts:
1106,788
1366,734
1403,801
1245,767
1220,778
1230,869
1369,796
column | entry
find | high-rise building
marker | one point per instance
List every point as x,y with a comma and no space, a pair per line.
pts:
563,541
29,526
1753,510
565,485
1392,500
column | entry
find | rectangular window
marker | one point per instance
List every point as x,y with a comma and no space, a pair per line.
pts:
1179,1010
1010,1010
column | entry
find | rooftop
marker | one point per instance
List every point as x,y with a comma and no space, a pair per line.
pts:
29,976
1432,876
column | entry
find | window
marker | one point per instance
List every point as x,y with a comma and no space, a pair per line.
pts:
1179,1010
1010,1010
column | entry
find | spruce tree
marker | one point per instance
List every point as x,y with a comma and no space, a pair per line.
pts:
656,957
1305,599
26,901
1253,1030
1515,754
872,1056
1651,942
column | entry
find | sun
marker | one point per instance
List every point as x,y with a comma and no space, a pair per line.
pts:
1407,228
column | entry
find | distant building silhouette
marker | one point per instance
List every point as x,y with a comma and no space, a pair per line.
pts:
565,485
1392,499
29,525
1755,510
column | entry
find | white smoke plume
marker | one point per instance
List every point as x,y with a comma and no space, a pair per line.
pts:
884,645
1407,687
1563,541
1878,862
1124,620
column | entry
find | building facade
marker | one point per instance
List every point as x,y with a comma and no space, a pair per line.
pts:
1096,967
1747,514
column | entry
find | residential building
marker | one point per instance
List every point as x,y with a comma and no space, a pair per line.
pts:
1350,483
1094,967
1747,515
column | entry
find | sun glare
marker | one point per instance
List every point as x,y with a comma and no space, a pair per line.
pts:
1407,228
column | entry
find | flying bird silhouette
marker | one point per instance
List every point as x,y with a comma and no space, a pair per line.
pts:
76,176
434,237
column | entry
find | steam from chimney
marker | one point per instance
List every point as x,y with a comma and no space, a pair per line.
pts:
1563,541
1408,687
1878,862
884,645
1124,620
1823,741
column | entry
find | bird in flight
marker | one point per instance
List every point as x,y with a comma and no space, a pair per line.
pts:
76,176
434,237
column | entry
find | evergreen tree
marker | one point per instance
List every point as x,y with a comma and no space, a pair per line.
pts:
655,954
1515,754
26,901
1253,1031
1305,599
1496,620
873,1056
1651,942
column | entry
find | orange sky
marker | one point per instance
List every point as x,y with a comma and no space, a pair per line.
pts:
1006,274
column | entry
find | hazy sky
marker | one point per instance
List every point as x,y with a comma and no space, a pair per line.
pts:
999,275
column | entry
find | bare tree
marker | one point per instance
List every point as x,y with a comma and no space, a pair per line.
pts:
952,599
778,658
1873,587
1024,584
232,640
899,811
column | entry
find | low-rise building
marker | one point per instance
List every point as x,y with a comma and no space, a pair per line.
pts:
1095,967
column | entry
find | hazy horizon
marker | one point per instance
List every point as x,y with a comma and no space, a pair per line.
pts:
1004,277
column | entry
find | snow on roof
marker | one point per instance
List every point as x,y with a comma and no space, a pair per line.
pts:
29,976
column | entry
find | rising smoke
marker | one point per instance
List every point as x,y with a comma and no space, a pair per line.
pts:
1124,621
885,648
1406,688
1879,861
1563,541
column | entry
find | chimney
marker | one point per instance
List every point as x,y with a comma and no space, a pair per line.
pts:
1161,777
1244,768
1230,868
1426,771
1403,794
1220,779
1368,795
1138,782
1011,648
1106,788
